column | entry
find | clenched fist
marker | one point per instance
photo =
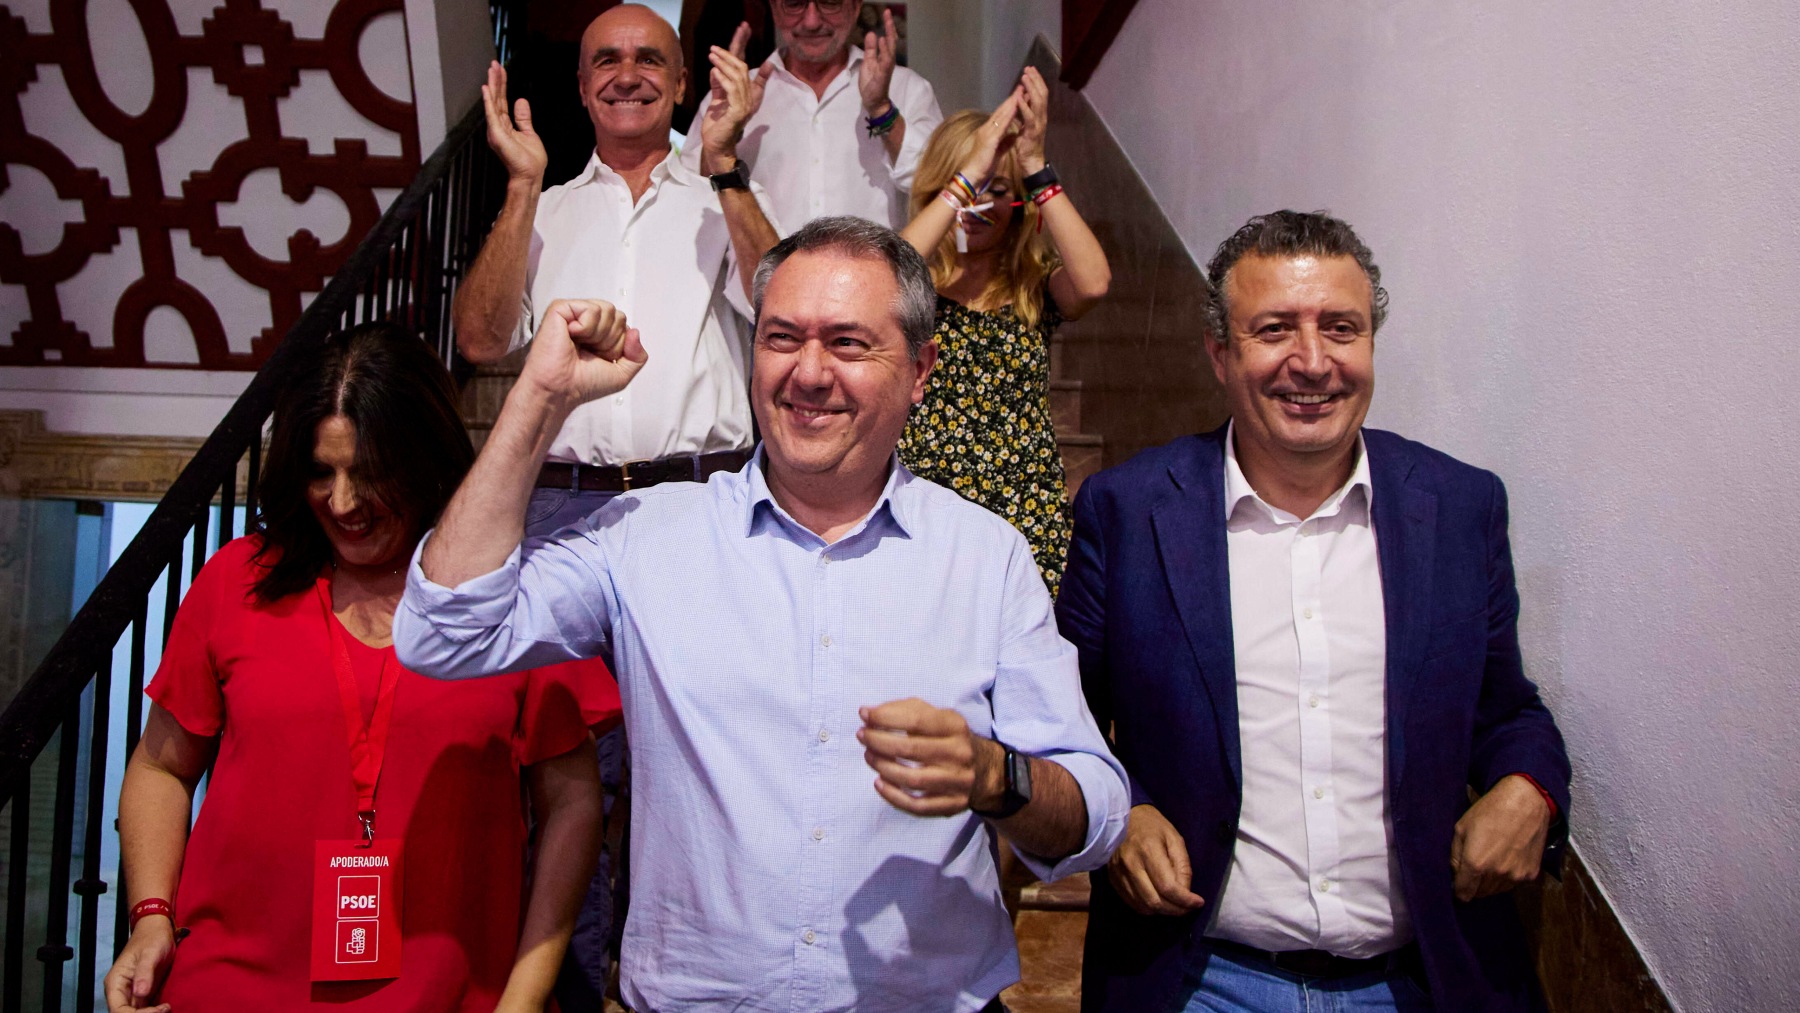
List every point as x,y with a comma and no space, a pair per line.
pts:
583,350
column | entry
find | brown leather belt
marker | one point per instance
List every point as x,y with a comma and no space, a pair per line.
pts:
1319,963
637,474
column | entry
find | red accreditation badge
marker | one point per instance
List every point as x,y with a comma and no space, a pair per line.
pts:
356,910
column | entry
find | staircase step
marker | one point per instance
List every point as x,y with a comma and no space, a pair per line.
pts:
1067,894
1081,457
1065,405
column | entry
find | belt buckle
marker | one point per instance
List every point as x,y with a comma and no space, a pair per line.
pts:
625,473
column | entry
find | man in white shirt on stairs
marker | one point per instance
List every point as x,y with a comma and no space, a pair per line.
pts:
666,244
835,129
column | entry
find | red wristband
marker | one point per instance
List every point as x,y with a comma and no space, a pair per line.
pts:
151,906
1047,194
1548,800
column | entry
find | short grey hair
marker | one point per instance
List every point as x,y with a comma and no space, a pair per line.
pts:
916,306
1289,234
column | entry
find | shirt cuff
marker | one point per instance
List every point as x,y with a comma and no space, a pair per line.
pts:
1103,792
1548,800
469,609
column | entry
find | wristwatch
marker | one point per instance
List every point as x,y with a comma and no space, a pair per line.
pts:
737,179
1017,768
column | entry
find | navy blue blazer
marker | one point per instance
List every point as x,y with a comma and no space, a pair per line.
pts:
1147,602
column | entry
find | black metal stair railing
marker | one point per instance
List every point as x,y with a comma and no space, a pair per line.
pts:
405,270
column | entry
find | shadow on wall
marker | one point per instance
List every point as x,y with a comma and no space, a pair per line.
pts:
1140,355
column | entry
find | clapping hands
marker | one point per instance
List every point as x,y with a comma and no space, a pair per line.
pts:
877,70
1018,125
520,149
736,96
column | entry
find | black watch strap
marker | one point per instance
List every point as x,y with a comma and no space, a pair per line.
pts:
1040,179
1016,767
738,178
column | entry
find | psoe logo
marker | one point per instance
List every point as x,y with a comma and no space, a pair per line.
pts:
357,942
359,897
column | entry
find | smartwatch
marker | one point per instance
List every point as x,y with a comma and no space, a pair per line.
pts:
737,179
1017,768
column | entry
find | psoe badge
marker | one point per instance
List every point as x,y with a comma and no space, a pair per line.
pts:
356,911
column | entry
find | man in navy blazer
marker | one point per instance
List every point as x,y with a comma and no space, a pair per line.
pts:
1302,636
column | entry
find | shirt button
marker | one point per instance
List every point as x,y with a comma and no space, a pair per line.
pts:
1318,793
825,641
807,937
1312,701
1324,887
818,835
1307,613
824,735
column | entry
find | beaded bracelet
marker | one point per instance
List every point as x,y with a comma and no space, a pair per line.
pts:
878,125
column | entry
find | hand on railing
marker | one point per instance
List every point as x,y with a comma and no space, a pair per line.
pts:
520,149
583,350
138,973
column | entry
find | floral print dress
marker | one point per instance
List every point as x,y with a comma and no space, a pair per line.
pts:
984,427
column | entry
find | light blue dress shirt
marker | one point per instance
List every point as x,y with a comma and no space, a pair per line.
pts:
767,874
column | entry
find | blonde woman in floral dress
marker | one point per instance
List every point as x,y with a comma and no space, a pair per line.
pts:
1012,259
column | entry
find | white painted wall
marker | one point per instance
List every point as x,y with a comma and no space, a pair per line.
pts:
972,50
450,43
1589,218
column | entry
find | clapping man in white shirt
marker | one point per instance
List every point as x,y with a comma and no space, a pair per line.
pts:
836,129
652,236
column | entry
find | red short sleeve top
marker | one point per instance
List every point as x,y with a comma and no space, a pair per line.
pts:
259,677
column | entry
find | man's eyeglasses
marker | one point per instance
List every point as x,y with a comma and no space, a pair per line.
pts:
799,6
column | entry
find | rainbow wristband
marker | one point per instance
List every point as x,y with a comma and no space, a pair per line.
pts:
968,190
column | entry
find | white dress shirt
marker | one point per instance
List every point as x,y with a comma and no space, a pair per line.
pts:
665,260
815,154
1314,864
766,873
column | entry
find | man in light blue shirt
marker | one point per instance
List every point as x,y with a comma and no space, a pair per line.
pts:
778,632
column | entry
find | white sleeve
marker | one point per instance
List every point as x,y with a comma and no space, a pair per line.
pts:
918,103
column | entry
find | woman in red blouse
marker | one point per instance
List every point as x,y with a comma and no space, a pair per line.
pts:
280,654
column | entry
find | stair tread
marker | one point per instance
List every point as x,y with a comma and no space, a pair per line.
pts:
1067,894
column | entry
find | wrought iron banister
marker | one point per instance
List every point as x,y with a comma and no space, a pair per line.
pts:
405,270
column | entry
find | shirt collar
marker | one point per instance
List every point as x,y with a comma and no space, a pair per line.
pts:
670,167
894,507
856,55
1237,487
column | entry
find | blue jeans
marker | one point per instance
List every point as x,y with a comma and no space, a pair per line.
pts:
582,981
550,509
1220,983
